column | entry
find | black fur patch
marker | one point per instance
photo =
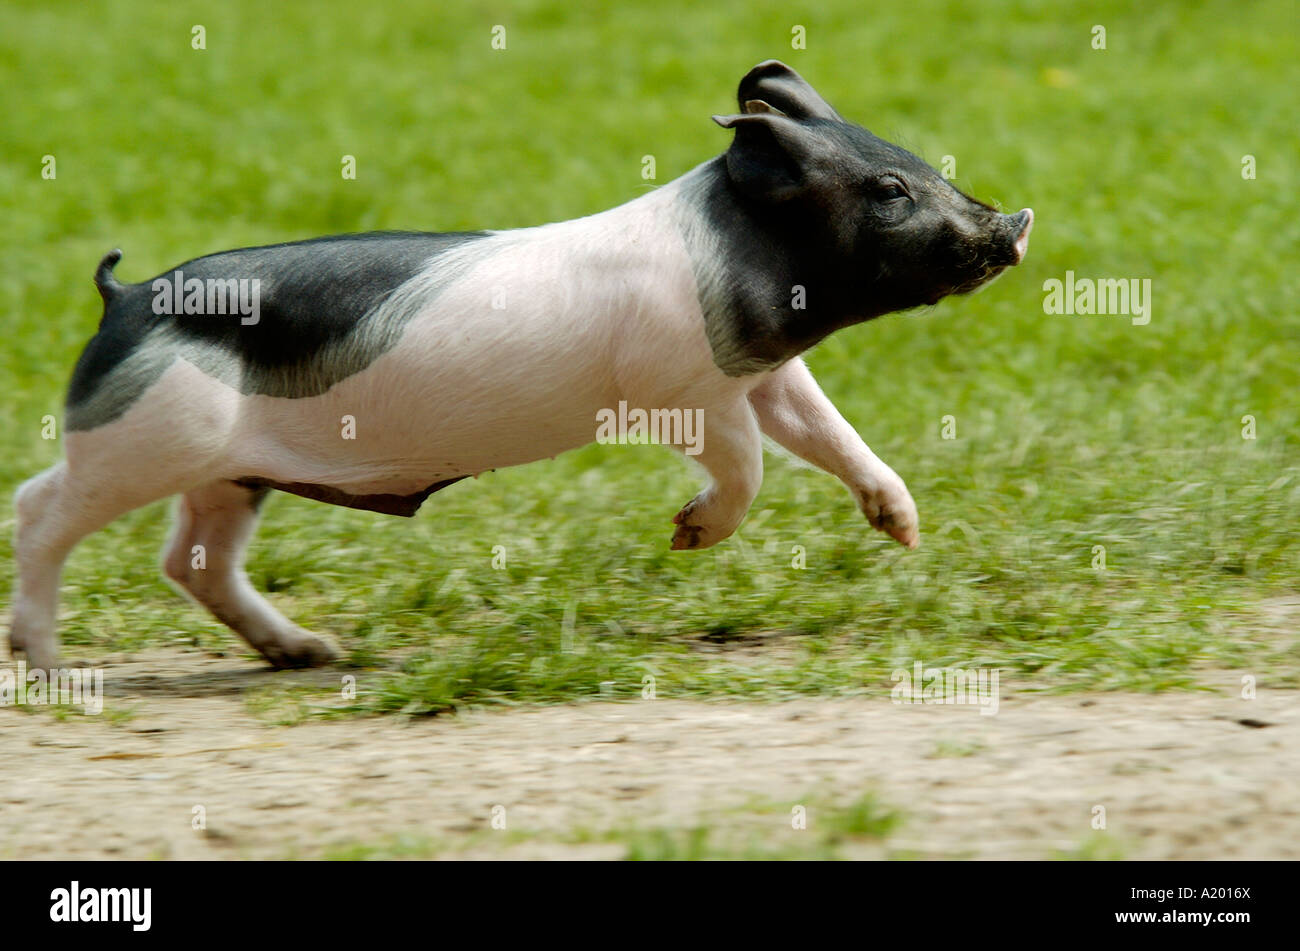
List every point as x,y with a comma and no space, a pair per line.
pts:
746,294
313,297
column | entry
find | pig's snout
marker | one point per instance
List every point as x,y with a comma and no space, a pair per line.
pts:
1005,241
1022,222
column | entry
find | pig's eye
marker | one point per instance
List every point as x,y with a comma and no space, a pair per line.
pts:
890,191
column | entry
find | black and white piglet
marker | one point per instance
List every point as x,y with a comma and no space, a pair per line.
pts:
452,354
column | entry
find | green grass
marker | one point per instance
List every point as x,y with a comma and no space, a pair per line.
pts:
1072,432
1096,847
760,831
863,822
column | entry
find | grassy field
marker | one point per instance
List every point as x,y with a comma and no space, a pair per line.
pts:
1071,432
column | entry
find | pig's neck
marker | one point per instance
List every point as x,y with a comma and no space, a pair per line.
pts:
767,290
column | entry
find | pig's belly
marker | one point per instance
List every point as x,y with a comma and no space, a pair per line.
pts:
393,433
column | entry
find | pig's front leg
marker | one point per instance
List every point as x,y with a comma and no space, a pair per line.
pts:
794,411
732,451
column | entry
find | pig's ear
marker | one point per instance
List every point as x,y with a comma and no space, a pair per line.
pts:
770,157
782,88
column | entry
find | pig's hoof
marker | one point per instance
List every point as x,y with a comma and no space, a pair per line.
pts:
41,652
299,649
688,533
697,526
37,656
686,537
892,511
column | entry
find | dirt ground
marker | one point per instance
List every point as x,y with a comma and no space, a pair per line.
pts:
1180,775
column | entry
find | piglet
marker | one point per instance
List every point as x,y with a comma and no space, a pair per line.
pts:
370,370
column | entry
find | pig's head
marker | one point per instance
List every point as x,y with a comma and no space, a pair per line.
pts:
868,226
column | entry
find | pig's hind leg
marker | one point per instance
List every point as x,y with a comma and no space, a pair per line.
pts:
53,511
205,557
794,411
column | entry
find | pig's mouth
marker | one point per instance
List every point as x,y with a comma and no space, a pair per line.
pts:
986,274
